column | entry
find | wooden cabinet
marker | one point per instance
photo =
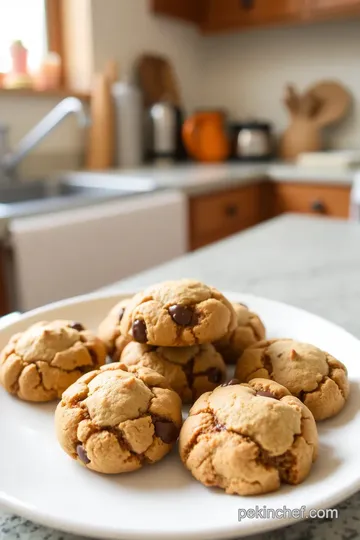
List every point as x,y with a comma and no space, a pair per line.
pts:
217,215
325,200
4,280
227,14
188,10
335,6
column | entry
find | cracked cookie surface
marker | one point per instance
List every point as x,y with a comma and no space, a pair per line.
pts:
314,376
178,314
249,330
118,418
110,333
41,362
248,438
190,371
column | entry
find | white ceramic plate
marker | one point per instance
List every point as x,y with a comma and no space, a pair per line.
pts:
162,502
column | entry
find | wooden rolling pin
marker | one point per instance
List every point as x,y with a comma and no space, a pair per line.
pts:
101,144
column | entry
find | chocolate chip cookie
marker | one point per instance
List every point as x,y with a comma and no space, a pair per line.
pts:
178,314
315,377
109,331
190,371
248,331
248,438
118,418
40,363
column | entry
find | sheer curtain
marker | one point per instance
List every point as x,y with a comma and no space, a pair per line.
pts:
24,20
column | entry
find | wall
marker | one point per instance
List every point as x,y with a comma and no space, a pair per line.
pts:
247,72
125,29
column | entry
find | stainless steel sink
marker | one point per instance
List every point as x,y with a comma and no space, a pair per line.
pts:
80,189
40,190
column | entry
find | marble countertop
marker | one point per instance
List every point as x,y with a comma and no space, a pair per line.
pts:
310,262
196,178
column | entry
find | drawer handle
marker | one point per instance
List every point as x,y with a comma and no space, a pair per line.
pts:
247,4
318,206
231,210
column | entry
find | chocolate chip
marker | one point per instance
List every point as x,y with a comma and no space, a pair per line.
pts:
265,394
166,431
82,454
232,382
183,315
139,331
214,375
121,313
77,326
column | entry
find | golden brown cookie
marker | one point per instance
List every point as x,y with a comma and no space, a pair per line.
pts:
315,377
178,314
109,331
248,331
248,438
190,371
40,363
117,419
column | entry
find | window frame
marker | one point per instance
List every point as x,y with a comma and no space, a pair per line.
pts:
55,33
56,17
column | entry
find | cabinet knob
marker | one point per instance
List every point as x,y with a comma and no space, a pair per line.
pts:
231,210
318,206
247,4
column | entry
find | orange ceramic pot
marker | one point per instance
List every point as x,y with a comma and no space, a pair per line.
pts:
205,136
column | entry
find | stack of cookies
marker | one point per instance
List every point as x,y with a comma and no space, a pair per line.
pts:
171,328
167,346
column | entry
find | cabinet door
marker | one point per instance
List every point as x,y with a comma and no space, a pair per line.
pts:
227,14
332,9
4,280
217,215
334,4
188,10
324,200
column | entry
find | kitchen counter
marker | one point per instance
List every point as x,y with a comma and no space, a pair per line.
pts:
195,178
310,262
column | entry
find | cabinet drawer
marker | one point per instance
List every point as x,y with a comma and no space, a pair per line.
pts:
228,14
332,201
220,214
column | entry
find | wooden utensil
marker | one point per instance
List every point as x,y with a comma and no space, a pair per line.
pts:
291,99
309,105
101,144
157,80
323,104
335,101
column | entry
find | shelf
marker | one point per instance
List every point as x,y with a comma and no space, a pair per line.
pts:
30,92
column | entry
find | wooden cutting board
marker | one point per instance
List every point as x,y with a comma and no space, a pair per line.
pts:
157,80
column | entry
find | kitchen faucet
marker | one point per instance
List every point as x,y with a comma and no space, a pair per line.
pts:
10,159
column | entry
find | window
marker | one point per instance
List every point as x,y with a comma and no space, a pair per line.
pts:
47,26
23,20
